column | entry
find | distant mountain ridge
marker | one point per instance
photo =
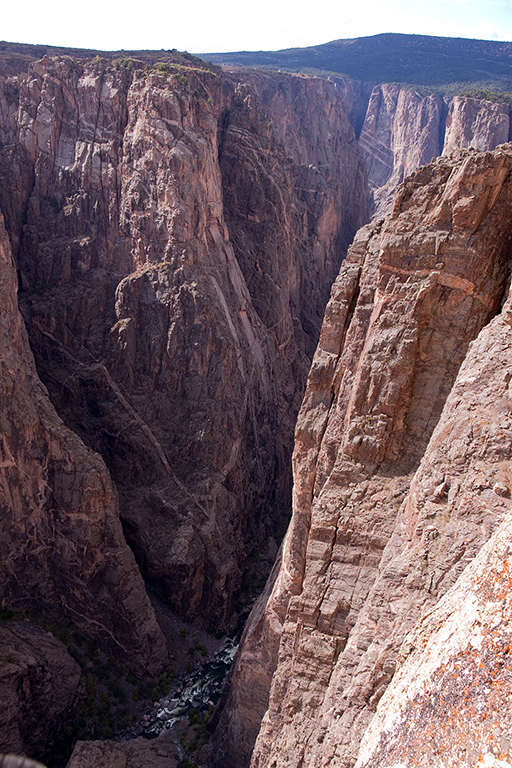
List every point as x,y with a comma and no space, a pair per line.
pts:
412,59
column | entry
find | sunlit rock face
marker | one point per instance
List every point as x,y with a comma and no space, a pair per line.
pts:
404,129
401,474
448,701
476,123
401,132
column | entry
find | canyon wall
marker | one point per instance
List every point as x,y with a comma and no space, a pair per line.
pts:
63,548
401,475
174,238
404,129
175,232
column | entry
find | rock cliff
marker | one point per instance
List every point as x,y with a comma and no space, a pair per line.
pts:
175,241
38,685
175,231
401,474
447,703
476,123
63,549
401,132
404,129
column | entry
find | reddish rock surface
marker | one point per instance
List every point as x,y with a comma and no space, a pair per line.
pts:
62,547
476,123
448,703
404,129
38,685
161,752
400,133
173,304
412,294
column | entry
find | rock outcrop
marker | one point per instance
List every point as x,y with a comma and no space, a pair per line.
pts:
448,701
388,509
476,123
161,752
404,129
401,132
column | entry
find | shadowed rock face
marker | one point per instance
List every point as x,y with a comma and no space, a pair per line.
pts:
174,339
38,684
385,513
62,547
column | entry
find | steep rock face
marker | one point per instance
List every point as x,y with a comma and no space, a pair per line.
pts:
411,295
400,133
62,548
403,130
448,701
288,249
476,123
38,684
152,345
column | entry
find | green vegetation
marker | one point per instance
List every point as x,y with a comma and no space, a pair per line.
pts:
125,63
194,737
162,66
495,96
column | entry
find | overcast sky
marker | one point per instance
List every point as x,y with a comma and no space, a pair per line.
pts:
201,26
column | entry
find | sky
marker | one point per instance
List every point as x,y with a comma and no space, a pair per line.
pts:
208,26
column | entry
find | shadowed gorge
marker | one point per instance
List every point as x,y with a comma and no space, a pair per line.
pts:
175,243
176,382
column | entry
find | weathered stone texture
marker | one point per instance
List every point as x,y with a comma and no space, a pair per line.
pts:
413,292
62,548
161,752
38,685
403,130
448,703
476,123
148,316
400,133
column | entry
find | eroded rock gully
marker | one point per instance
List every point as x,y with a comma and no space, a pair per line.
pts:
401,475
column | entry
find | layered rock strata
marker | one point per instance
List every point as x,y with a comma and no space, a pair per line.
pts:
386,513
147,313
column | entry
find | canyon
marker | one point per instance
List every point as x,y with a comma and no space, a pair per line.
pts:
170,234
